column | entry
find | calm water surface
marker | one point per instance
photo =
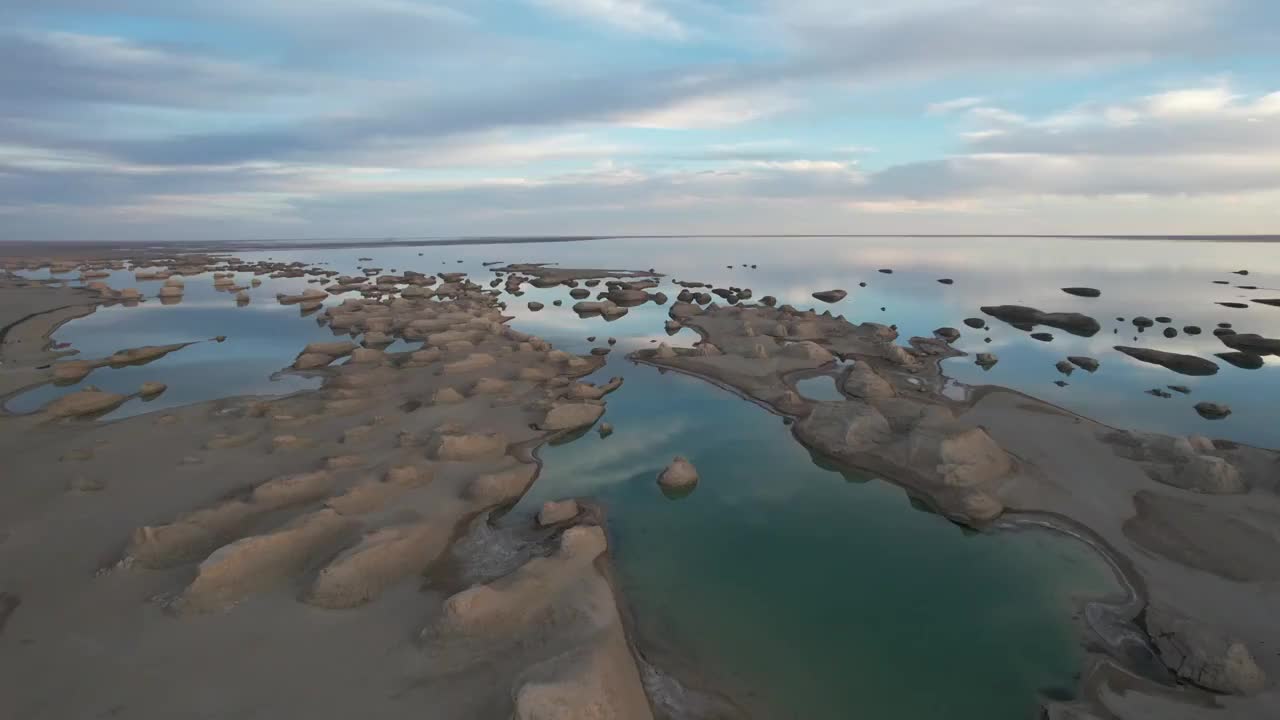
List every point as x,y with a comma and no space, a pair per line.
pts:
811,593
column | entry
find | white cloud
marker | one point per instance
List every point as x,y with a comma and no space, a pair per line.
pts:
637,16
946,107
709,112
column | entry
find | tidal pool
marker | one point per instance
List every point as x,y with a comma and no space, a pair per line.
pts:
807,593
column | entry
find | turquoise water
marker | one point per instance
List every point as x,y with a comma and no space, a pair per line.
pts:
807,593
804,592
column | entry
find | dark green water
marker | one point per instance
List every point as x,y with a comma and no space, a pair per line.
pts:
812,594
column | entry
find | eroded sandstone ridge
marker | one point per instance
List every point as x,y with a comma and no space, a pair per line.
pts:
242,553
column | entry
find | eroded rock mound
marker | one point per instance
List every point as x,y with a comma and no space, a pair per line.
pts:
1177,362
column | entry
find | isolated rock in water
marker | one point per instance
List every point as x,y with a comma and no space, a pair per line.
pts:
986,360
1177,362
1143,322
536,306
862,381
1027,317
1084,362
1065,367
1042,336
605,430
975,323
90,401
170,291
830,296
152,389
679,475
1274,302
1212,411
1204,656
1082,292
571,415
1192,330
1244,360
554,513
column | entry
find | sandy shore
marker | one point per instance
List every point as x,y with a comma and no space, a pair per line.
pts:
229,558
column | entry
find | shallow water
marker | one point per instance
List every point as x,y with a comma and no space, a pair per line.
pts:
1152,278
806,592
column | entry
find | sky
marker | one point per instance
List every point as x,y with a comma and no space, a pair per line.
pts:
255,119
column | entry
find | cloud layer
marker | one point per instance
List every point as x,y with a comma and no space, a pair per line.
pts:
208,120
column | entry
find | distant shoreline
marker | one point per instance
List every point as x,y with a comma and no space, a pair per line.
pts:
19,247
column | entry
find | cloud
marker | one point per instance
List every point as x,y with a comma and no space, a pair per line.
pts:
319,114
947,107
40,69
637,16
